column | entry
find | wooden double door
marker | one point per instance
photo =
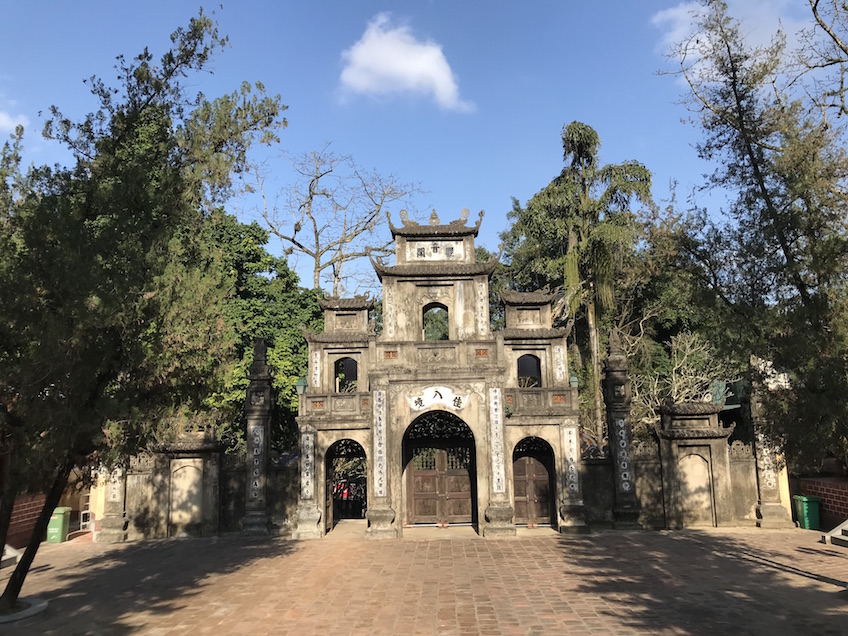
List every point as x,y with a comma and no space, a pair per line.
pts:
441,485
534,495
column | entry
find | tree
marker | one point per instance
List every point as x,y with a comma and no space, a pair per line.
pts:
778,260
266,302
573,234
332,213
112,309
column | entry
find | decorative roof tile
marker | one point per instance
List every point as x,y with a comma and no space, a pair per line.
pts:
435,227
357,302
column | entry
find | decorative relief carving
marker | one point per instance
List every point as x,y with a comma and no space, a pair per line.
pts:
379,443
437,355
497,441
344,404
256,454
559,398
257,398
317,405
644,450
390,355
481,353
141,463
622,455
741,450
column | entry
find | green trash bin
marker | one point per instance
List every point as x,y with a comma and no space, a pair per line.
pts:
57,528
807,511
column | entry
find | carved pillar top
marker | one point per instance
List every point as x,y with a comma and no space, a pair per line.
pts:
617,380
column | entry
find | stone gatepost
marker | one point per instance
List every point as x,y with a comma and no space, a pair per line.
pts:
380,513
617,398
114,523
499,513
258,405
572,512
770,510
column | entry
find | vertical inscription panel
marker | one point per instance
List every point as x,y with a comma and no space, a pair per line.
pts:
497,441
379,433
572,483
307,465
256,463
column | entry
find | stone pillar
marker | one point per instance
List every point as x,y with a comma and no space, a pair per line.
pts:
258,405
308,514
617,398
114,523
499,513
572,512
380,513
770,510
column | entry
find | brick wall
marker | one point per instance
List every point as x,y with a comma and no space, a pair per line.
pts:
26,511
833,493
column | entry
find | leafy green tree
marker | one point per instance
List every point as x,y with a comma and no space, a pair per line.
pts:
574,234
112,307
266,302
777,260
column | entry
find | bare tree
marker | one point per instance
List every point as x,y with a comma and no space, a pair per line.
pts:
332,212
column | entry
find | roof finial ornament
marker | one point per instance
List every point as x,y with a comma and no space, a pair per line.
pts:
434,218
463,216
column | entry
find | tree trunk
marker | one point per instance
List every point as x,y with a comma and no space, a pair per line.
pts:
596,372
16,581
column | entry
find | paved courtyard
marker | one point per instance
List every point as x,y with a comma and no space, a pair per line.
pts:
744,581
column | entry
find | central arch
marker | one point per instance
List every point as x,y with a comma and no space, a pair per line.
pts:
440,471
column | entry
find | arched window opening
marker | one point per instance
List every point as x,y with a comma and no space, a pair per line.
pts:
346,371
529,372
435,321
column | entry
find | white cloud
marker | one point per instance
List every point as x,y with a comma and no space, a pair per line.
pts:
8,122
759,20
388,59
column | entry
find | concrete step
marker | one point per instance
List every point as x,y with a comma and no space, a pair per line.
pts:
839,540
10,556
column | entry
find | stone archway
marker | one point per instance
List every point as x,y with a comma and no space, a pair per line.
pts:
346,483
533,470
440,471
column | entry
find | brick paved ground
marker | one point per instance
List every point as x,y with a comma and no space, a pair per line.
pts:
713,582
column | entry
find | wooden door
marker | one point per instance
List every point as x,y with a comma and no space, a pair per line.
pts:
533,496
439,485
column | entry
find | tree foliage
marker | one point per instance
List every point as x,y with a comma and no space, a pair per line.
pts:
112,320
777,258
574,235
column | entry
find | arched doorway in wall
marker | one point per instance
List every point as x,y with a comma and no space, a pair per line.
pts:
440,471
533,478
347,486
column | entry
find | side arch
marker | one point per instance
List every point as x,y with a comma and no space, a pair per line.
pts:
534,485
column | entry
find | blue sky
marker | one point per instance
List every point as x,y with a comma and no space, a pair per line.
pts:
467,98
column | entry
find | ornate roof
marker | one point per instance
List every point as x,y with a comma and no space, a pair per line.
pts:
357,302
533,334
510,297
434,268
337,336
435,226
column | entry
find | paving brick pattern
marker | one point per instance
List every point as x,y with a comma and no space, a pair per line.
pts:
713,582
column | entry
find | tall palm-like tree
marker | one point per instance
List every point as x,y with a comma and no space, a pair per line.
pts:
574,230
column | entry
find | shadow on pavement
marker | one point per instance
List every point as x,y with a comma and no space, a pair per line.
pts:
695,582
93,588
